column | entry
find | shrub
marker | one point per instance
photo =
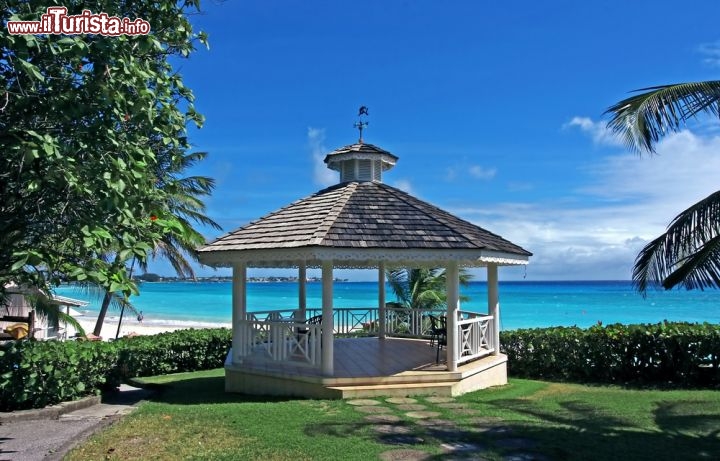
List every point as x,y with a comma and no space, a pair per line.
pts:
664,353
34,374
175,352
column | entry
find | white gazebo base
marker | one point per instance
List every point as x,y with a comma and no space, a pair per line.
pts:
366,367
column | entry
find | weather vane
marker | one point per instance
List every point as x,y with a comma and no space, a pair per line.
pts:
360,124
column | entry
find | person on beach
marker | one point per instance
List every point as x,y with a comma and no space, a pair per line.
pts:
140,317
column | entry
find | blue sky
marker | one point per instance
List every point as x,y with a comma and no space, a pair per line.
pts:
494,109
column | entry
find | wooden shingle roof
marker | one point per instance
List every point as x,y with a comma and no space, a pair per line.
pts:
360,149
361,216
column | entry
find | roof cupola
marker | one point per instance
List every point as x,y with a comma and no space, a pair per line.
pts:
361,161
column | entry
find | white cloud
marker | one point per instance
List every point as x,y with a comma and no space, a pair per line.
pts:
404,185
597,130
482,173
711,51
595,232
454,172
322,175
684,171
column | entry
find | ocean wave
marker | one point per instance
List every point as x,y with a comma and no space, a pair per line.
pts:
129,322
182,323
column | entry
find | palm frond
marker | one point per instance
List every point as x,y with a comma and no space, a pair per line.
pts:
184,201
649,269
422,288
684,254
176,256
641,120
98,293
197,216
124,304
47,308
699,270
189,160
396,279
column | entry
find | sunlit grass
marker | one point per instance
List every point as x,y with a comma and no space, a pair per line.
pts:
193,418
572,421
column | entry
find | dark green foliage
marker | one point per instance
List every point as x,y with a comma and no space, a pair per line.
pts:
92,130
666,353
149,277
179,351
643,119
34,374
422,288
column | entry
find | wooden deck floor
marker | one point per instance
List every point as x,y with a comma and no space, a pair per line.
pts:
372,357
361,358
356,358
373,364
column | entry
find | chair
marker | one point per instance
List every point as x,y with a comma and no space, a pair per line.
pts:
315,320
434,326
438,332
435,329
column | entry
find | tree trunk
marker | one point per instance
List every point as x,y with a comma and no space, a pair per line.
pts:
101,315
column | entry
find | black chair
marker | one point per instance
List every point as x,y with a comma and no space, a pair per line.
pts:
433,333
315,320
438,332
301,333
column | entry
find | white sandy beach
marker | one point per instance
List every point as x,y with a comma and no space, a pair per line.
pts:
130,325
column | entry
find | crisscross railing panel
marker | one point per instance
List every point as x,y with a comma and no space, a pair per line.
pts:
281,341
475,336
408,322
282,336
399,321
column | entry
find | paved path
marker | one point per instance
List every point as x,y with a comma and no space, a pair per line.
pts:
468,436
50,439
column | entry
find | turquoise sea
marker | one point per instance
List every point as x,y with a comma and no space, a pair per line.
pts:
522,304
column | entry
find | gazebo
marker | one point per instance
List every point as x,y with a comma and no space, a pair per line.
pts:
361,223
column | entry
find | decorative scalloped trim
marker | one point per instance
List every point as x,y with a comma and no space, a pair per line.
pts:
358,258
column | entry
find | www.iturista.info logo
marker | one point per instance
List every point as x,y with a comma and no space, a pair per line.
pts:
56,21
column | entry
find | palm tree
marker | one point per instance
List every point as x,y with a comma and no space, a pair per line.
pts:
688,253
184,201
109,299
422,288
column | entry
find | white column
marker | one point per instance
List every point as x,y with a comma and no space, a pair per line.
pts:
494,304
452,275
239,311
327,318
302,293
381,300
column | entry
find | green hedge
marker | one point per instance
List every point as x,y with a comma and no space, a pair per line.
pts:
665,353
175,352
34,374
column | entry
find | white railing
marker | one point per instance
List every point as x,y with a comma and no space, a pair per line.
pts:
412,323
283,336
475,333
281,341
398,321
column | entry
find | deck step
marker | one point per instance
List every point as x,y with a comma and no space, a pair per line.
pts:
410,378
444,389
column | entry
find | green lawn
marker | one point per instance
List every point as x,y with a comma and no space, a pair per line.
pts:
193,418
